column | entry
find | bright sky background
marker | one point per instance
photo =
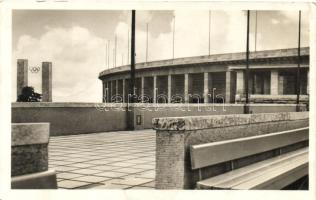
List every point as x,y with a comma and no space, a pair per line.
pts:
75,41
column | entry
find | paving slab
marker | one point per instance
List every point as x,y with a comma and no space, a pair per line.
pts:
69,184
109,160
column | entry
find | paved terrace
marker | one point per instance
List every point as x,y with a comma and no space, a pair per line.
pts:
110,160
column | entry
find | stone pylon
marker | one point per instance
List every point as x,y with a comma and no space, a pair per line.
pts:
22,75
46,81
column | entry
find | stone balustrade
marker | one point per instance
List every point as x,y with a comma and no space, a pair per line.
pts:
174,135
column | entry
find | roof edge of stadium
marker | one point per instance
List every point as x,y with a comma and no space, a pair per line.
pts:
290,52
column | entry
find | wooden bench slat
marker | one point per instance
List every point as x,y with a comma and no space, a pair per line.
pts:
282,173
212,153
255,175
291,178
229,179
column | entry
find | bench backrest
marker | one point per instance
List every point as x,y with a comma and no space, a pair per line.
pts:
203,155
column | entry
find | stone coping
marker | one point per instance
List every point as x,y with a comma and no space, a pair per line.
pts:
29,133
97,105
217,121
209,59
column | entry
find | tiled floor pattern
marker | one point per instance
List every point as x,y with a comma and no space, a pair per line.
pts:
110,160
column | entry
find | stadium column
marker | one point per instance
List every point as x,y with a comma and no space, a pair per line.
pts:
186,88
240,83
116,88
228,95
169,88
123,95
206,87
142,88
107,92
274,82
111,91
46,81
22,73
103,91
307,88
155,89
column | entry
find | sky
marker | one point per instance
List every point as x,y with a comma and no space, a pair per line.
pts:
75,41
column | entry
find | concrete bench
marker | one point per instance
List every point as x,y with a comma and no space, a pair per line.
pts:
274,173
29,157
175,136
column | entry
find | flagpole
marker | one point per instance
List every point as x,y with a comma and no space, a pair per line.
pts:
127,46
209,32
106,54
246,109
115,50
298,75
174,25
147,43
256,30
109,54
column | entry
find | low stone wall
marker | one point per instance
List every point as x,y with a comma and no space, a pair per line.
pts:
79,118
146,112
174,135
29,156
279,99
70,118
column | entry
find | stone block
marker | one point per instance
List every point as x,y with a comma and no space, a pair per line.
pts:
41,180
29,148
29,157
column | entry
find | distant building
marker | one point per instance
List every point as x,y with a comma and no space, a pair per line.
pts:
213,78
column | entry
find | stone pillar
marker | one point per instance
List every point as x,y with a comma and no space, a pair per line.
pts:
307,87
169,88
228,90
155,90
142,88
206,87
186,88
274,85
29,160
123,95
22,72
240,84
46,81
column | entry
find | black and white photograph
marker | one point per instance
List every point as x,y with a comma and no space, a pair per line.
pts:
123,98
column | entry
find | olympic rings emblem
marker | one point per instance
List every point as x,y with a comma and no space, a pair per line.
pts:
34,69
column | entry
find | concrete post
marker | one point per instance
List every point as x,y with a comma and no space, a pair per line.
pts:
123,95
240,86
206,87
46,81
142,92
155,90
274,82
228,95
186,88
22,78
169,88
